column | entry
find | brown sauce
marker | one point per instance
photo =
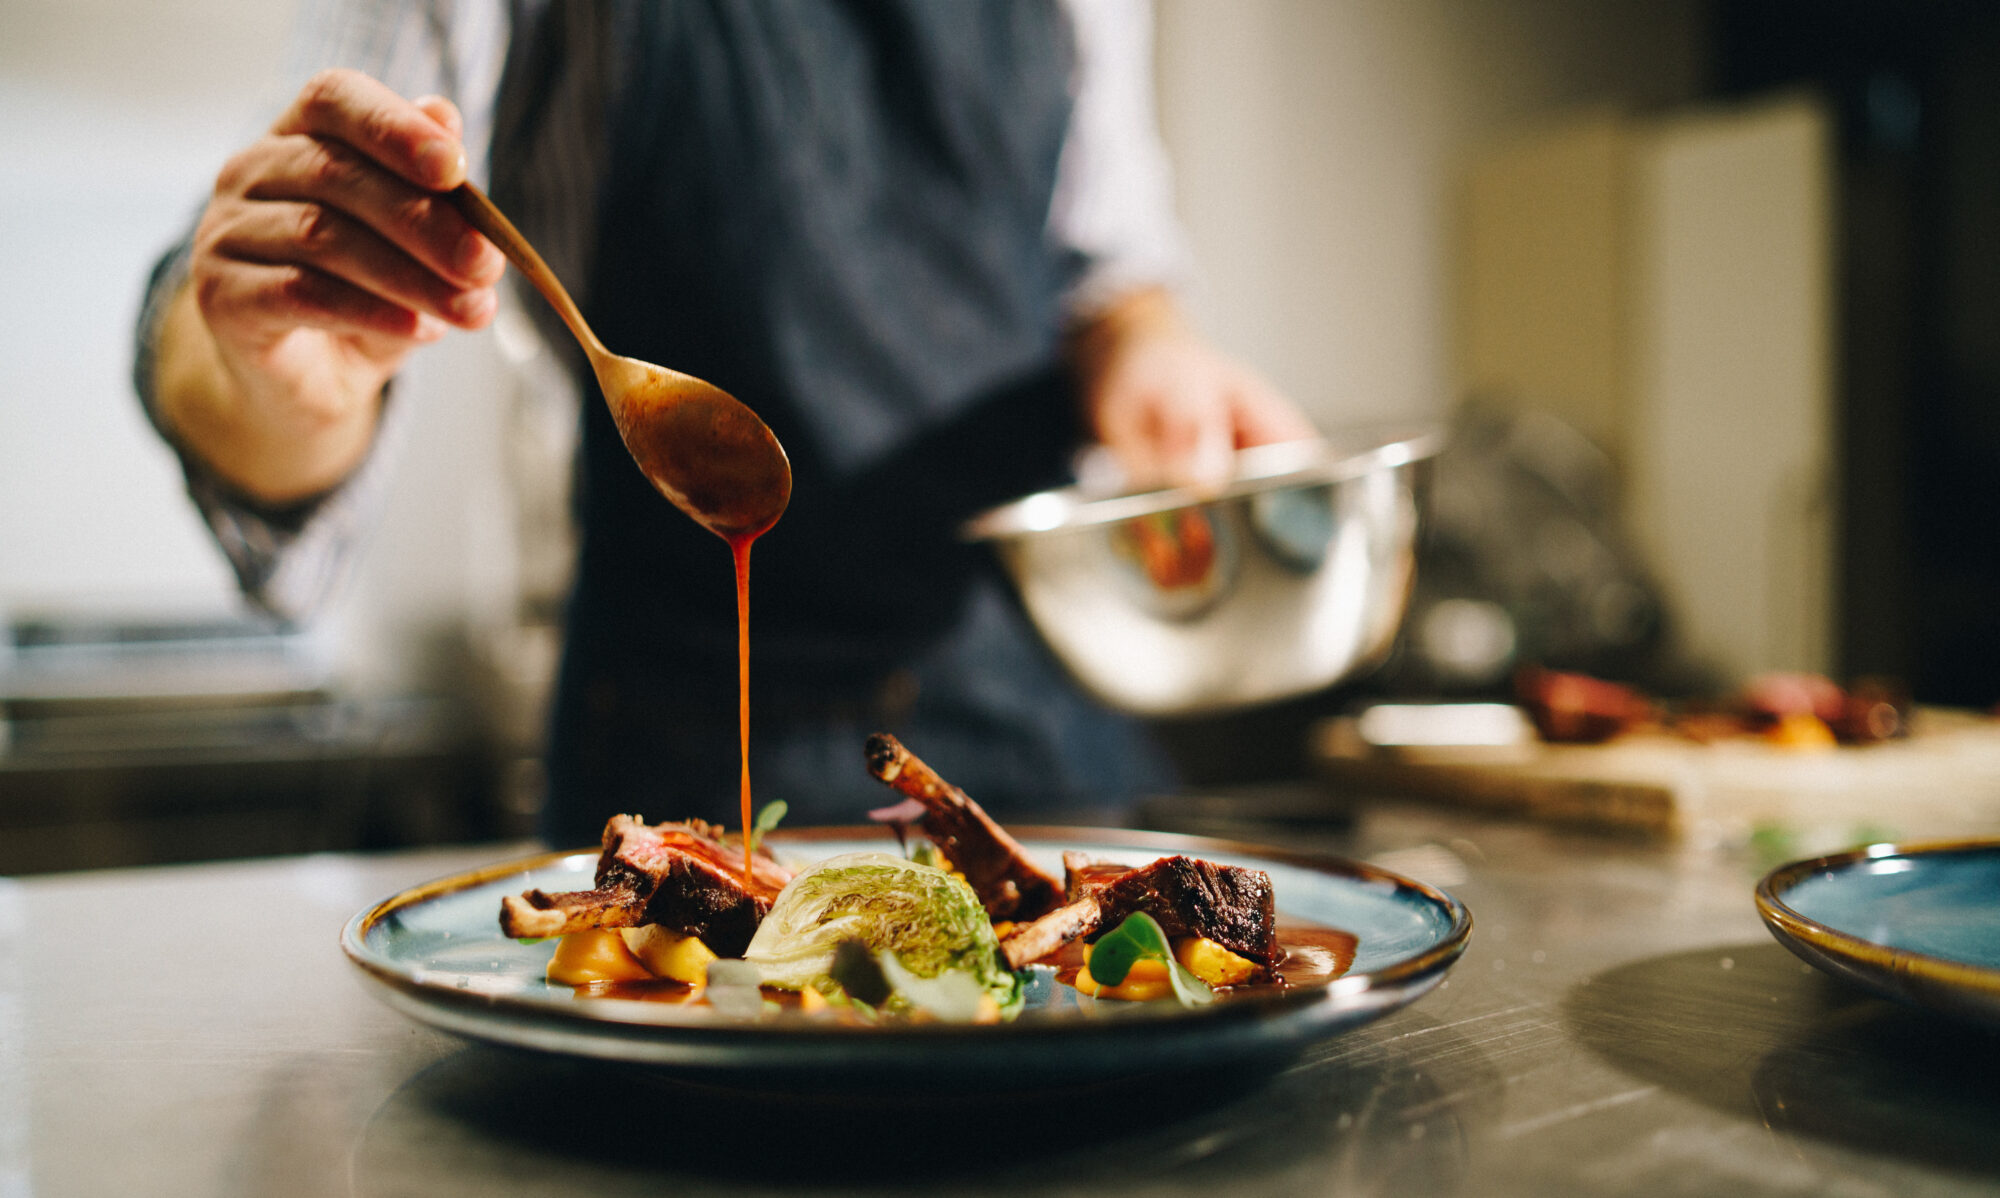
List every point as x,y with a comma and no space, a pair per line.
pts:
1314,955
739,549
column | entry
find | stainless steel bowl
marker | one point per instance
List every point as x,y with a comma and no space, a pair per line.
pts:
1176,603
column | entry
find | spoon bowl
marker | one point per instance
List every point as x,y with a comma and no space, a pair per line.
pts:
701,447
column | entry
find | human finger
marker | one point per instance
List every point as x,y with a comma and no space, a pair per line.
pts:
364,113
420,223
444,112
1161,437
1263,415
262,302
492,263
1185,437
1209,459
325,239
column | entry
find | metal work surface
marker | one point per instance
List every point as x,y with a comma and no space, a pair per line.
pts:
1622,1024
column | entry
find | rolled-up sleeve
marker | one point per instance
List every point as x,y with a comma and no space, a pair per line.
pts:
1114,198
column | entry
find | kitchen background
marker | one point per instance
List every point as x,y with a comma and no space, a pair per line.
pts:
1722,277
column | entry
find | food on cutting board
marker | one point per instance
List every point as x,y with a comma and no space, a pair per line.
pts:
1570,708
1790,710
947,932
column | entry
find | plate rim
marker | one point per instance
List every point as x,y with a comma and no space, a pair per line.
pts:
611,1014
1789,924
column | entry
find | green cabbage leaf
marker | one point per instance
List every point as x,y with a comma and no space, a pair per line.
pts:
929,921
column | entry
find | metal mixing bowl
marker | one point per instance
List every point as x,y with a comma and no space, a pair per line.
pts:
1170,603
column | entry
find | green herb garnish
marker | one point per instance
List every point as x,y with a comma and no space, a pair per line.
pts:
1139,938
766,820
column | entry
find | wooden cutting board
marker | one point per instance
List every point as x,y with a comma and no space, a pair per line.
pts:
1942,781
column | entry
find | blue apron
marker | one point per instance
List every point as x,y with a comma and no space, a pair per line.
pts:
837,211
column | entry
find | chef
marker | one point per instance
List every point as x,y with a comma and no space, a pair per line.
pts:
932,245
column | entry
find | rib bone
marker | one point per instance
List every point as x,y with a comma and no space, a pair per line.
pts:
994,863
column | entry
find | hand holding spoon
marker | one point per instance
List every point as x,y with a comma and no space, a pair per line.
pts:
699,445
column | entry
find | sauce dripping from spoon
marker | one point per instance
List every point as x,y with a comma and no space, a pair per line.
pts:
739,549
710,455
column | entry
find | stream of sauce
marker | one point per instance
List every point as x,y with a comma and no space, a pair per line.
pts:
739,548
736,484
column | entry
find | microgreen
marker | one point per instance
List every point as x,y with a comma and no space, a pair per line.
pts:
766,820
1139,938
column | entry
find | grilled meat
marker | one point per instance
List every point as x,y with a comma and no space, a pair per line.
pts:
1030,942
1228,904
684,877
1189,897
994,863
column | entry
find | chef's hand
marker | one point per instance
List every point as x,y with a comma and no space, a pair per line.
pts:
1170,407
325,255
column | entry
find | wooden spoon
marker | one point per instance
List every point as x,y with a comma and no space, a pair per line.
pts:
698,444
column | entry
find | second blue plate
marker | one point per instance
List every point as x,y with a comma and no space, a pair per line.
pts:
1916,923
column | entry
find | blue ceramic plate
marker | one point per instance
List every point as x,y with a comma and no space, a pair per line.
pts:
1918,923
435,952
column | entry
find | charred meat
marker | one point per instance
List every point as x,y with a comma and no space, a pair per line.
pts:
685,877
1227,904
994,863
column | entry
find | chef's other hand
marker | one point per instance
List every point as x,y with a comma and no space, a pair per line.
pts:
1170,407
325,255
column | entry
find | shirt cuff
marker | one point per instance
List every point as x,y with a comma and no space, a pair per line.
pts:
286,557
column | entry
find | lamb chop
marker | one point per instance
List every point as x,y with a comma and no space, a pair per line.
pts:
684,877
1228,904
994,863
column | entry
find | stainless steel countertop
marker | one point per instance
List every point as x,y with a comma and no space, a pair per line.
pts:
1622,1024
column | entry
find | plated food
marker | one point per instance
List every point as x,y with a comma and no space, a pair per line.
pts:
1357,941
1792,710
946,932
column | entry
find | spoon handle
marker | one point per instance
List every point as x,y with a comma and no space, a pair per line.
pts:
489,220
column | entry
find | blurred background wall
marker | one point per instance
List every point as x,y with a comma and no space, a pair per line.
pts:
1320,148
115,117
